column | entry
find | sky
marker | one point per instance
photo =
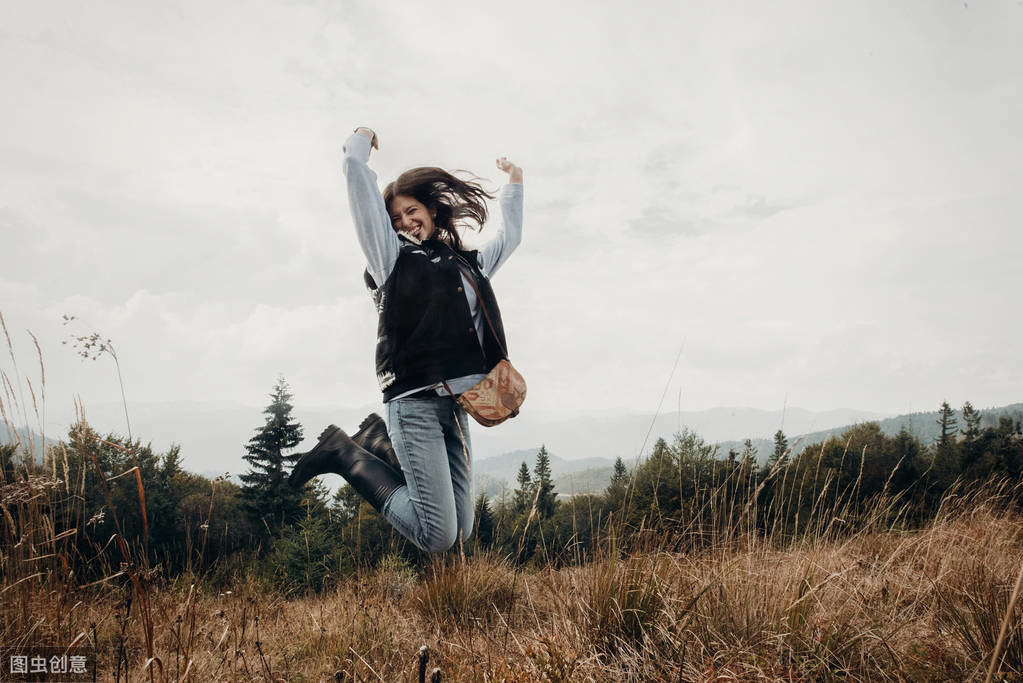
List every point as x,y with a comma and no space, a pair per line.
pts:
807,204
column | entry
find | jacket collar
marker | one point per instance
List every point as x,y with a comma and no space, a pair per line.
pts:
434,245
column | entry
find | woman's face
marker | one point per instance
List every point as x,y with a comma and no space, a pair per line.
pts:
411,216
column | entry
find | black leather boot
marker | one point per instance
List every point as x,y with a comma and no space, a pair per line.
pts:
371,477
373,436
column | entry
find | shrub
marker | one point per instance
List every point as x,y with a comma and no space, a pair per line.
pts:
305,556
623,599
460,592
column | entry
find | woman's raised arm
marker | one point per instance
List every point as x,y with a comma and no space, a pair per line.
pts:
373,228
495,252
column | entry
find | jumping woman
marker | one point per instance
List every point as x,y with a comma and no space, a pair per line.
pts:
433,342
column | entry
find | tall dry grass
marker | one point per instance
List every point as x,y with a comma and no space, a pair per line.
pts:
841,594
924,605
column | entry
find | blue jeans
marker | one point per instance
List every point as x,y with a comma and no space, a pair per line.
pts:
436,504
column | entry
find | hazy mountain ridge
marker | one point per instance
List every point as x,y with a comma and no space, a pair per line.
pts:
28,439
581,476
923,425
507,464
625,436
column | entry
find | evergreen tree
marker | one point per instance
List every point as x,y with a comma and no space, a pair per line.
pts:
747,469
170,464
656,487
523,498
781,447
947,422
269,501
946,457
544,486
315,499
749,452
619,481
163,496
8,466
972,447
971,416
906,450
483,521
344,505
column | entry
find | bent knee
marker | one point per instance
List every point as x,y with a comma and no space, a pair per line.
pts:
441,540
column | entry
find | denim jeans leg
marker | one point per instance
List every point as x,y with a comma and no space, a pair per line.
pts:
424,510
460,464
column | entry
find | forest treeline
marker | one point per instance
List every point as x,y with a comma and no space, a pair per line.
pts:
107,492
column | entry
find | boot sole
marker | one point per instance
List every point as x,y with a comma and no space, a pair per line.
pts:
370,419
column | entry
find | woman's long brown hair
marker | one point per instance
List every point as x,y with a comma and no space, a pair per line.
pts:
459,203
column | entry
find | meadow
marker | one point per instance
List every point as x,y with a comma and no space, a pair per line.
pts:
938,603
857,559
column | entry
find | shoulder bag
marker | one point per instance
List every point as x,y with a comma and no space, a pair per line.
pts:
499,395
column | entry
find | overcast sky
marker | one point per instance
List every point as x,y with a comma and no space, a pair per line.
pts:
819,203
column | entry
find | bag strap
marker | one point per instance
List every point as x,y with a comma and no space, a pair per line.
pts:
479,298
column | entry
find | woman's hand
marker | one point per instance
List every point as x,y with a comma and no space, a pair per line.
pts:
513,171
374,143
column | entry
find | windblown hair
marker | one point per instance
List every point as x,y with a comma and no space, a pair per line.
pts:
460,204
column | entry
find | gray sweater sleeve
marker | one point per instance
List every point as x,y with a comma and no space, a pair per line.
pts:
494,253
373,228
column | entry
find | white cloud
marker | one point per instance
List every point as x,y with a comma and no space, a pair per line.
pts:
820,202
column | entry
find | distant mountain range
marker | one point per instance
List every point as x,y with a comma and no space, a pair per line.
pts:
626,435
569,476
29,440
923,426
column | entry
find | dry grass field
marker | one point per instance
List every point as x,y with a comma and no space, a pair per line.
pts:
851,595
923,605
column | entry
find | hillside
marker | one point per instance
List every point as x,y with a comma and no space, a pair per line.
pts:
594,476
923,425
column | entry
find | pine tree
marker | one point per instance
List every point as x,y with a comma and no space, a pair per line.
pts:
523,498
316,499
781,448
972,448
946,456
545,498
484,521
619,481
344,504
749,453
170,464
971,416
947,422
269,500
8,465
747,468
